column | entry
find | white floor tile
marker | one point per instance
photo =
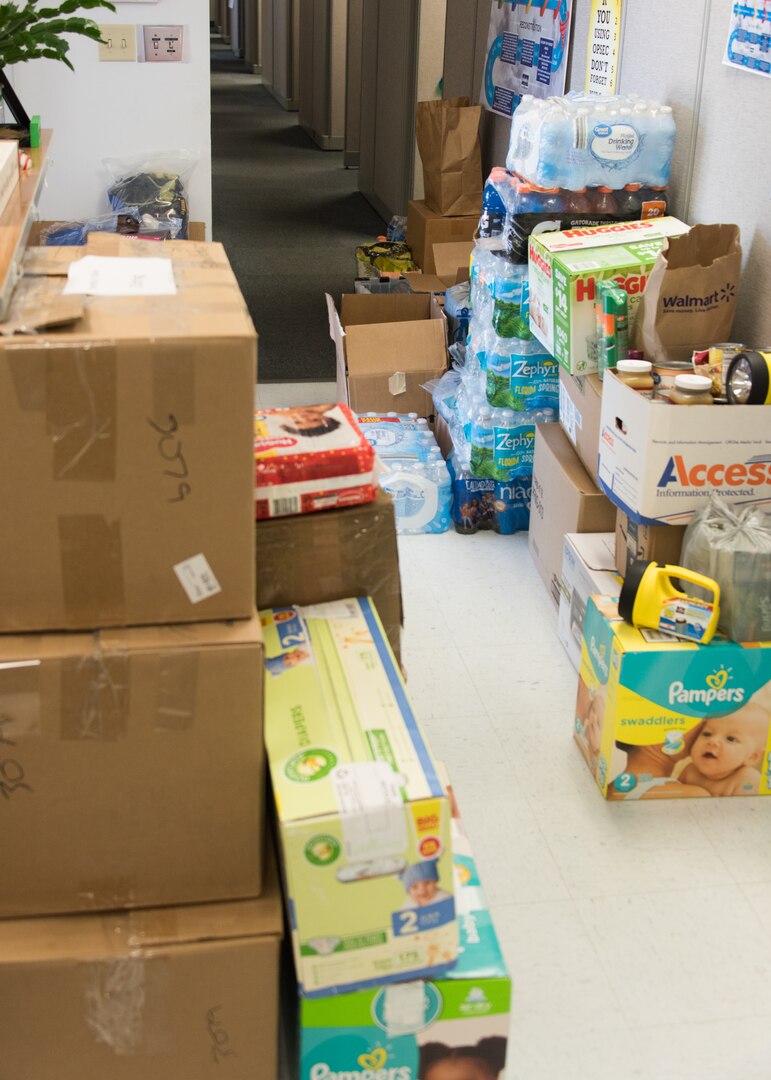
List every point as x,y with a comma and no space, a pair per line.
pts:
284,395
712,1050
740,832
688,956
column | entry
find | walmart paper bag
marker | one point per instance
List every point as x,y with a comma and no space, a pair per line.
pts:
690,298
448,143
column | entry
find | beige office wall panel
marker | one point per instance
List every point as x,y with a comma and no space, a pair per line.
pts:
321,71
268,51
306,91
430,68
395,107
665,66
338,29
252,36
732,171
353,83
368,101
286,52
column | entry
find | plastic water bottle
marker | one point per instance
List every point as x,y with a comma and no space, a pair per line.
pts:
605,202
554,146
629,201
660,148
505,424
493,206
482,442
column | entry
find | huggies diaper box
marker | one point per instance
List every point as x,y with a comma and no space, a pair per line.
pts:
404,1030
310,458
564,268
660,718
363,817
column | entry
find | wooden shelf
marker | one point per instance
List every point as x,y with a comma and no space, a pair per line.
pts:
16,220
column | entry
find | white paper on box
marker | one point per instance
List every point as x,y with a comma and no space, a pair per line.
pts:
106,275
570,417
369,797
588,568
404,1008
197,578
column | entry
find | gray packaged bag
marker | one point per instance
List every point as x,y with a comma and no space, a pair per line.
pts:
733,547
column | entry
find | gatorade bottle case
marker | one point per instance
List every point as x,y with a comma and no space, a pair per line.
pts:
310,458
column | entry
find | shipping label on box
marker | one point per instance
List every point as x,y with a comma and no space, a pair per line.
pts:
401,1031
363,818
659,462
564,269
587,568
662,718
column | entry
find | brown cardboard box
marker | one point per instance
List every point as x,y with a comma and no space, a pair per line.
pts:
315,558
442,435
131,767
660,543
387,347
126,447
425,228
144,995
580,408
196,231
564,500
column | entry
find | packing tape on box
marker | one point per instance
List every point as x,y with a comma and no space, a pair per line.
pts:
404,1008
91,557
177,689
173,374
114,1003
397,383
19,703
369,797
94,699
106,894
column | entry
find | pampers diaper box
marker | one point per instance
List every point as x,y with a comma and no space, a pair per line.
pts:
661,718
400,1032
363,817
564,268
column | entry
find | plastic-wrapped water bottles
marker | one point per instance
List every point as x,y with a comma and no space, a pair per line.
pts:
520,375
579,141
482,442
422,494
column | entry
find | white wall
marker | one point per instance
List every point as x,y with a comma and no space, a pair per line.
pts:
115,109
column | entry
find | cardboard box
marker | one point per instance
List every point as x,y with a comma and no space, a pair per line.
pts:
588,567
659,462
315,558
363,818
659,718
126,437
9,171
387,348
426,228
131,767
564,500
390,1028
196,231
657,543
580,408
144,995
564,268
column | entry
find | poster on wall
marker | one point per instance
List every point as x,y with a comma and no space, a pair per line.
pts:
527,52
603,47
749,38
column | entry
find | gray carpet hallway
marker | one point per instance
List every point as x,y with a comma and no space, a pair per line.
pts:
290,217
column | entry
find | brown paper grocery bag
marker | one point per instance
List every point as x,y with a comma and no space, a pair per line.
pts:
448,142
690,298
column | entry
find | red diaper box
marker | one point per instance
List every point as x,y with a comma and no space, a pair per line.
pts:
309,458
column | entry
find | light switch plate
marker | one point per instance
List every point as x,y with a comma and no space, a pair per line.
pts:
121,42
163,43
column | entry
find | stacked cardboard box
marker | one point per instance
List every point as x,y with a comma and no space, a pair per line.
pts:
131,749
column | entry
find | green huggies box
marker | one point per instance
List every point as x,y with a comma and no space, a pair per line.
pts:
363,817
440,1026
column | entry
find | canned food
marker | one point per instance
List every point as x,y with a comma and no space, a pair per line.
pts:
665,372
715,362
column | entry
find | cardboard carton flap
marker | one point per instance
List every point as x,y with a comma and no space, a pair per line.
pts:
563,452
363,309
27,648
121,934
449,258
414,346
426,283
596,549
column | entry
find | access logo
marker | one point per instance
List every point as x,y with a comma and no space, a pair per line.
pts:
679,471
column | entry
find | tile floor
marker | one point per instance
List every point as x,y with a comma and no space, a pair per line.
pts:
638,937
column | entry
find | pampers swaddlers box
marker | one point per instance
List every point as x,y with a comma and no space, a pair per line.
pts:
662,718
564,268
363,818
397,1032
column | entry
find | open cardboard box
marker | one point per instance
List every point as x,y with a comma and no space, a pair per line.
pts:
387,347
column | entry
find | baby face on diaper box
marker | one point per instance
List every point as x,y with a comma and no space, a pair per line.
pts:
364,820
662,718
